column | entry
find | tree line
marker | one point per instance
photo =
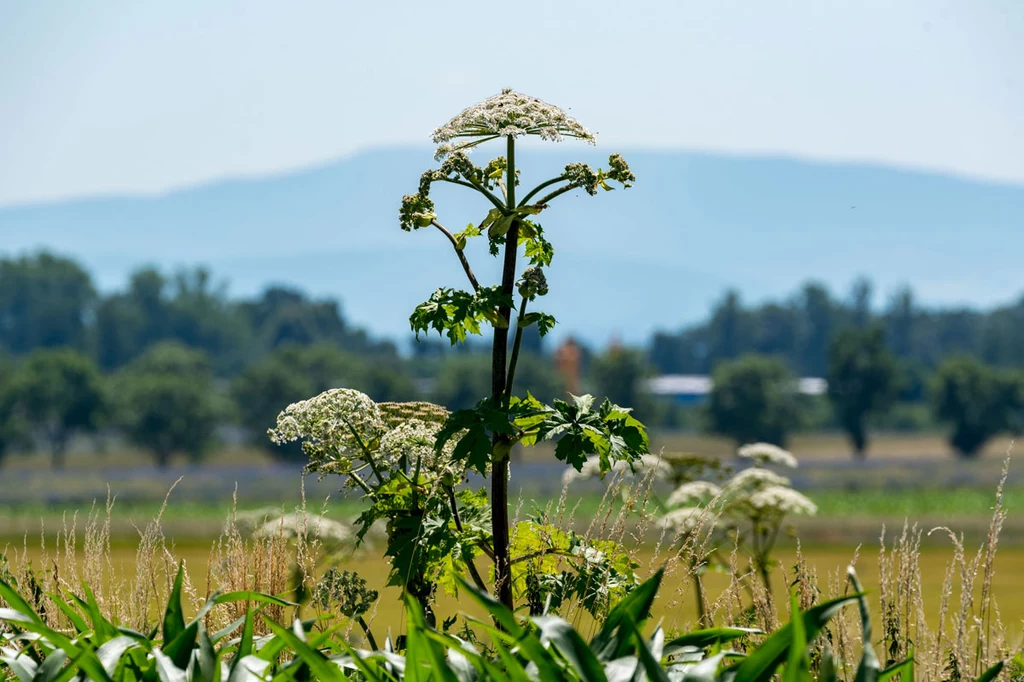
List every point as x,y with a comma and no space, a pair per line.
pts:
168,359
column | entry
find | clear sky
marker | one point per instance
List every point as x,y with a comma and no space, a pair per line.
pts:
128,96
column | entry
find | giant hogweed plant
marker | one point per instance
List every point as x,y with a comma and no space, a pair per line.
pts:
502,419
409,468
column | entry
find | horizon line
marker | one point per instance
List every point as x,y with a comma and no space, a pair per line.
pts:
312,166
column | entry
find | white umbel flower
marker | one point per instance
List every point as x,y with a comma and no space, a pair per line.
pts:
331,427
781,500
509,113
414,440
752,480
766,453
652,465
685,520
294,525
693,493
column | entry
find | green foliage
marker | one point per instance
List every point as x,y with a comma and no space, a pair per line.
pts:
457,313
44,303
753,400
610,432
978,401
57,393
551,567
166,402
862,380
293,372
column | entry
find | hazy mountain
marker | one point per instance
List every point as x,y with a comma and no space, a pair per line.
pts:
626,262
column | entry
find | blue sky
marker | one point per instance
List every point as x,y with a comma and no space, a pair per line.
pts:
126,96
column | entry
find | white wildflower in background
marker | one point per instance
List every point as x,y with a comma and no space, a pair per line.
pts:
781,500
693,493
766,453
752,480
414,440
331,426
294,525
652,465
685,519
510,113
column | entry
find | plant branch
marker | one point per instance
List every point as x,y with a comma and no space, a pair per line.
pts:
366,451
459,253
558,192
479,188
516,344
538,188
470,564
543,552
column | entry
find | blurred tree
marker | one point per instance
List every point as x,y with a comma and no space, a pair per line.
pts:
12,430
861,294
57,392
900,320
617,374
862,380
45,301
728,329
978,401
538,373
461,380
127,323
753,399
167,403
293,373
819,315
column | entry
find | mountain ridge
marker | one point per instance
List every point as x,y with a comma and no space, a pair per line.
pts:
657,254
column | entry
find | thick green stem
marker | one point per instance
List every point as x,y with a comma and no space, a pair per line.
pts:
500,445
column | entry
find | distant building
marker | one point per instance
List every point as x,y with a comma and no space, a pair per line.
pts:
568,358
689,389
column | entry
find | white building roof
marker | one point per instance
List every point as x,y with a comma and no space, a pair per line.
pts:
700,384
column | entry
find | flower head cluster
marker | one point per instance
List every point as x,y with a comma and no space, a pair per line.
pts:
396,413
346,590
619,171
411,445
752,480
335,427
417,211
685,519
693,493
292,526
647,465
507,114
582,175
766,453
780,500
495,170
533,284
